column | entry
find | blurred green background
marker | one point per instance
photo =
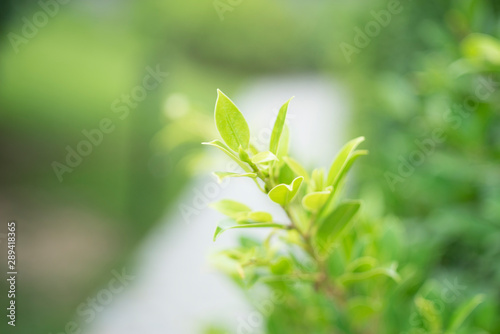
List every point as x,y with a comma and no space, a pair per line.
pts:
65,74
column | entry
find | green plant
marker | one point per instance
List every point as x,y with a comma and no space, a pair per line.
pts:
446,81
323,272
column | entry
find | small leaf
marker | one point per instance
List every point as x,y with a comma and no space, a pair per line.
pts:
341,160
315,200
257,216
282,266
297,168
240,270
283,174
354,156
283,193
260,216
253,149
479,48
243,154
361,309
463,312
222,175
427,308
362,264
263,157
228,224
368,274
230,123
231,208
284,143
338,181
336,223
223,147
278,128
318,179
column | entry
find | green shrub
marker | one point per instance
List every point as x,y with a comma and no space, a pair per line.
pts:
330,268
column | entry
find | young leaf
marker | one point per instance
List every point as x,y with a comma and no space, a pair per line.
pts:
243,154
253,149
228,224
263,157
355,155
337,222
463,312
231,208
361,309
361,264
341,160
278,128
314,201
297,168
428,310
284,143
223,147
230,123
257,216
222,175
363,275
282,266
318,179
338,181
283,193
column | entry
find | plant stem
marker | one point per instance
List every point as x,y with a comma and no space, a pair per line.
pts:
322,281
321,278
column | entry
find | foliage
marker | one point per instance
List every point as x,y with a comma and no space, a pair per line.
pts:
330,268
443,77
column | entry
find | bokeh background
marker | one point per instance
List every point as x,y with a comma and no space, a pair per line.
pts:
432,67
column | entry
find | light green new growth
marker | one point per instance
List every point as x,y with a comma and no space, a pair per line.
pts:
319,245
309,201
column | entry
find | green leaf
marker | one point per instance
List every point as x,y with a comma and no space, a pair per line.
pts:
282,266
362,264
231,208
243,154
263,157
368,274
480,47
257,216
338,181
429,312
354,156
314,201
283,174
223,147
336,223
228,224
278,128
283,193
284,142
361,309
318,179
222,175
297,168
253,149
230,123
341,160
463,312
